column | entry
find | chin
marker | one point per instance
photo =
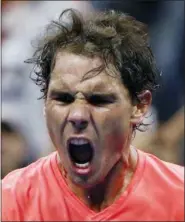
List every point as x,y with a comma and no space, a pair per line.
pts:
86,181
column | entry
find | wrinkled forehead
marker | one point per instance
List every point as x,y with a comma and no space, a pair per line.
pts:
70,63
76,71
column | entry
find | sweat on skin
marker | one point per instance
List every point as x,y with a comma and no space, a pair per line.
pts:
109,126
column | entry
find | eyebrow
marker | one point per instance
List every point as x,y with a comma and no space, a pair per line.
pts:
97,86
108,95
58,93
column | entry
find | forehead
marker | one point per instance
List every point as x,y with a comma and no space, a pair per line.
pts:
70,69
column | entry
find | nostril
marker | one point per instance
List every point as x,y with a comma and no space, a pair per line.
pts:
79,123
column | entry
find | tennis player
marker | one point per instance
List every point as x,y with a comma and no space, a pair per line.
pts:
97,76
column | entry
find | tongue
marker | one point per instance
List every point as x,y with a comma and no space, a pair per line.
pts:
80,153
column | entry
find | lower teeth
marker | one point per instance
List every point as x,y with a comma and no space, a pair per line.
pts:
82,165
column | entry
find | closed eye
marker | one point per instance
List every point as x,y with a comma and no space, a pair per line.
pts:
99,100
63,97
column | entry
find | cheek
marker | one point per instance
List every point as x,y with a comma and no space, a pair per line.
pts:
55,119
114,121
115,127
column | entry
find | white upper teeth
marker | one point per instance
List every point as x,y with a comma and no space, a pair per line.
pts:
79,141
82,165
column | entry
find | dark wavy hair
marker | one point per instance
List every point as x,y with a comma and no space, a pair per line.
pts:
115,37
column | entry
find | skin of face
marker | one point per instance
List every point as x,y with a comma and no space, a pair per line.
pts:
108,123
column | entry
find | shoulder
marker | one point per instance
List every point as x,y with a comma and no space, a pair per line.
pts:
17,187
164,169
165,182
24,175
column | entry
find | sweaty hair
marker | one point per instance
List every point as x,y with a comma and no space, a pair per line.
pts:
115,37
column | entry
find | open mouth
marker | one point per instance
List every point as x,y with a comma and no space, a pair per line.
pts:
81,152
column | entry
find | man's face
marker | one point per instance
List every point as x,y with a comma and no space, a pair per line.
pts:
88,120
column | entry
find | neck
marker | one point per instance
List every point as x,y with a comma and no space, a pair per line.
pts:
104,194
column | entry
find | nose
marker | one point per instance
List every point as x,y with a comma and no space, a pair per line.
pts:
79,117
79,124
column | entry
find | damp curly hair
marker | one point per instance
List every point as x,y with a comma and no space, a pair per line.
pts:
115,37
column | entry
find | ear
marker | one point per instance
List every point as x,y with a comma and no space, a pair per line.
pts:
141,108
